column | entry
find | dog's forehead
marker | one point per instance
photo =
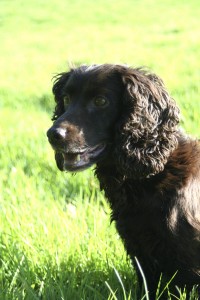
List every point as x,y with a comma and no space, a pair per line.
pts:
96,73
89,77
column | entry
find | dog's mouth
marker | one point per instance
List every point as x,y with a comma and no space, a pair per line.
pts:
78,161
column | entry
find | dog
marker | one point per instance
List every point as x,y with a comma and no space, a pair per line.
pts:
123,121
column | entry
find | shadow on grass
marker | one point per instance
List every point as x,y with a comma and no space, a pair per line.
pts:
46,103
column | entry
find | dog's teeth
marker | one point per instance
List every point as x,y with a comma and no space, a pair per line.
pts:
78,157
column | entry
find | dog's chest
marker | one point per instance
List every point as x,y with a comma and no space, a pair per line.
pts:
140,220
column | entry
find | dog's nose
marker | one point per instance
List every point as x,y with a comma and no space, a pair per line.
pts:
56,134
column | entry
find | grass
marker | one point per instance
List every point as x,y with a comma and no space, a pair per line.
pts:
55,237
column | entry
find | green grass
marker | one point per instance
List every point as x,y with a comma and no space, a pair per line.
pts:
56,240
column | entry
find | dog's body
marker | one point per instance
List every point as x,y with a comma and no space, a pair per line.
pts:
124,121
160,225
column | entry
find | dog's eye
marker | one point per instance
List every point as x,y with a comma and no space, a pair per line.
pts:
66,100
100,101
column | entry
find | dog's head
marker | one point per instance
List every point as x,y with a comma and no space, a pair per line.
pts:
88,102
114,113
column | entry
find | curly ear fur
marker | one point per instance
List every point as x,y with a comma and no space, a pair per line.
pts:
59,82
146,133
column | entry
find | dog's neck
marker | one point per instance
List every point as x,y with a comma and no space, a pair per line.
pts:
174,174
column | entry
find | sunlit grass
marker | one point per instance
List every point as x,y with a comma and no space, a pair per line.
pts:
56,239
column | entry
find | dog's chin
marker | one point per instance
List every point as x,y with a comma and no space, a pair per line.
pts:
79,161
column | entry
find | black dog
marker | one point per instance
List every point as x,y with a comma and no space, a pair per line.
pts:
124,121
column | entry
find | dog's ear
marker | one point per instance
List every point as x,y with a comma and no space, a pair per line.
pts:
147,129
59,82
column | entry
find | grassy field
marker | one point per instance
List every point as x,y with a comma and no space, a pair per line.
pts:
56,241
